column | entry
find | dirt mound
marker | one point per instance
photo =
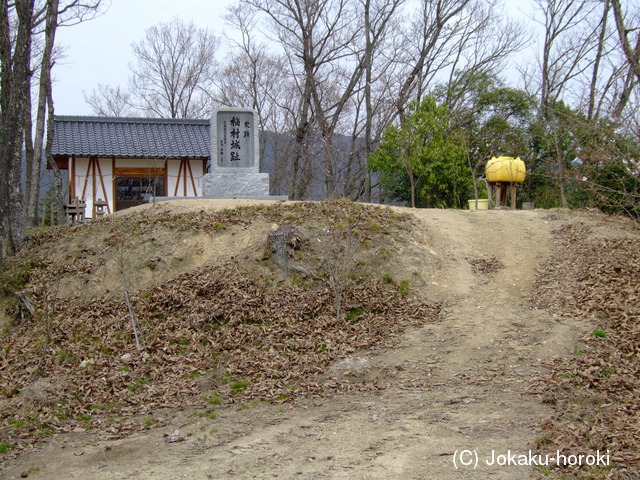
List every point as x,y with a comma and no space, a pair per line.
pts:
438,350
206,320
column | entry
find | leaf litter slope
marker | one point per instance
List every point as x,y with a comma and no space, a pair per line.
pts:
594,275
464,381
220,331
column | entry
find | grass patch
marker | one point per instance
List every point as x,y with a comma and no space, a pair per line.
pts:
300,282
15,275
209,413
213,398
137,384
542,441
354,314
238,388
64,357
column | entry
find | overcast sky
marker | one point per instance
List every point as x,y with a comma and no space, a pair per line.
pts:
99,51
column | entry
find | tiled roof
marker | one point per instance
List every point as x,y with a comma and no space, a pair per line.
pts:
131,137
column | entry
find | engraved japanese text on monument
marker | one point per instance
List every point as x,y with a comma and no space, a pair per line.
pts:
235,148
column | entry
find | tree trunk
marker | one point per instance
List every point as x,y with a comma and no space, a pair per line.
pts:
368,54
412,186
32,177
560,164
33,193
632,56
295,180
445,10
14,85
630,83
596,65
57,175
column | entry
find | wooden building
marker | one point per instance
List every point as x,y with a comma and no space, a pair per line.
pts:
127,161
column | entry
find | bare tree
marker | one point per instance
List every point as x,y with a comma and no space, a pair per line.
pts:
34,150
47,17
600,52
432,24
482,43
174,65
254,76
569,39
23,25
337,248
623,81
328,48
377,17
320,39
57,214
250,72
108,101
632,54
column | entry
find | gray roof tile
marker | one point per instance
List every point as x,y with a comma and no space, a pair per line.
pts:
130,137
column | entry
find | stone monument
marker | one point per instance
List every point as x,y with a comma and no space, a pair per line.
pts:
235,157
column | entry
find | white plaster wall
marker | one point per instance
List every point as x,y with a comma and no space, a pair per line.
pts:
106,165
197,167
172,177
173,169
82,173
80,167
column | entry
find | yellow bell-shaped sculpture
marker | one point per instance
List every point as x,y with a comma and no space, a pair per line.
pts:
505,169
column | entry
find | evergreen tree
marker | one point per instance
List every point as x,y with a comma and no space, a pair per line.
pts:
423,160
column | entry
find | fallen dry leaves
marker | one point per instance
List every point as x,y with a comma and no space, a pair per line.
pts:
597,392
212,335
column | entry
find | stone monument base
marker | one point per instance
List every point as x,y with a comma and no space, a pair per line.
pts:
236,183
213,197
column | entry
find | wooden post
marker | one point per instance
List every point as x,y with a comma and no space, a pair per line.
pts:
513,195
498,194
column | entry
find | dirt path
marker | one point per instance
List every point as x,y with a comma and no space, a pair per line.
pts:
460,384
